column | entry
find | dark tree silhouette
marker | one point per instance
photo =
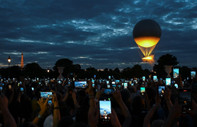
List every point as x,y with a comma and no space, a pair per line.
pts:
67,64
33,70
167,59
90,72
185,72
116,73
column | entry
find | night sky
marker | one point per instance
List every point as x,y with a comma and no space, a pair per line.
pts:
95,33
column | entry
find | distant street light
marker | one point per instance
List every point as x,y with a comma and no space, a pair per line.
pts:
48,70
9,60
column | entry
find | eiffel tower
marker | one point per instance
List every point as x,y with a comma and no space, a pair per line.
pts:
22,63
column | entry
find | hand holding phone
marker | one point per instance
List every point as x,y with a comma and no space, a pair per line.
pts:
108,91
142,90
125,85
43,103
80,84
175,72
168,81
143,78
193,74
155,78
55,101
161,90
104,112
185,99
47,95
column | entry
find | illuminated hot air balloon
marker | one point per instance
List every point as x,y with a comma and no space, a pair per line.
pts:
147,34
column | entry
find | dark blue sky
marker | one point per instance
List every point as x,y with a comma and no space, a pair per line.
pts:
94,33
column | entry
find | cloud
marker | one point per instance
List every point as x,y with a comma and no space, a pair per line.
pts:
94,33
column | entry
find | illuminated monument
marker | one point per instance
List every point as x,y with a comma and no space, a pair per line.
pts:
146,34
22,62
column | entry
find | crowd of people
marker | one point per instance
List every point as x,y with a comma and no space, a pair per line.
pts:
127,103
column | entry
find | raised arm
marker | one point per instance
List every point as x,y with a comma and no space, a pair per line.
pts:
56,111
173,114
43,108
7,117
92,113
65,97
151,112
167,96
74,97
123,107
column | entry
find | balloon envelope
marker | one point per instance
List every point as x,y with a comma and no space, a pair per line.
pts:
147,34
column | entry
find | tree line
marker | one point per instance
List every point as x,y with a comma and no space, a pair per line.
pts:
33,70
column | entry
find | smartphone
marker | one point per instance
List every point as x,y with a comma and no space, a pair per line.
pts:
22,89
161,90
143,78
80,84
46,95
175,72
176,86
185,99
93,81
32,88
107,82
108,91
69,83
109,77
108,86
155,78
1,88
59,82
142,90
33,80
125,85
117,81
113,83
113,86
168,81
105,112
193,74
20,83
132,84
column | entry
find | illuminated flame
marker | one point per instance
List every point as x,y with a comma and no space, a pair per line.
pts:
147,42
149,59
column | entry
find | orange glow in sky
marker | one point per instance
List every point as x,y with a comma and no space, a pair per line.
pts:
147,42
149,59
